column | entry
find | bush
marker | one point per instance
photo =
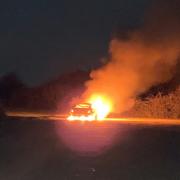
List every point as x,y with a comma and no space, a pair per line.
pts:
159,106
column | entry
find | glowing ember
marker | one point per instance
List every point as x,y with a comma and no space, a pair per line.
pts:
102,106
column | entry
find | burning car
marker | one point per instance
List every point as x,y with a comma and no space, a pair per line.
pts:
83,112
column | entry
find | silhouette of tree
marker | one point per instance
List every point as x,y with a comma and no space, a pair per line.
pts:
9,84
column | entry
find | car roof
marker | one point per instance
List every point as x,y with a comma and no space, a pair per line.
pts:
83,105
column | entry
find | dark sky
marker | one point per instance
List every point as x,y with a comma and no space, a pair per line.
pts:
40,39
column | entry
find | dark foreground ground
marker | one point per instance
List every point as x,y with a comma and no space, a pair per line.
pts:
44,150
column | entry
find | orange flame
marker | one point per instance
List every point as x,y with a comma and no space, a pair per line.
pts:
101,104
81,118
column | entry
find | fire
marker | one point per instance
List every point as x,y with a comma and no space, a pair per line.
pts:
101,104
96,107
81,118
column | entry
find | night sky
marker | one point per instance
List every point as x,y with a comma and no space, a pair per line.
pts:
40,39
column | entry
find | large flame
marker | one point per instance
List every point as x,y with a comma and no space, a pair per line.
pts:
101,104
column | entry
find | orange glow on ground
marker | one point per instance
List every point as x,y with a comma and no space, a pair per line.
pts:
101,104
130,121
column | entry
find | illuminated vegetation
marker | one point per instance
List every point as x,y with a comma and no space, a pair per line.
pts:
159,106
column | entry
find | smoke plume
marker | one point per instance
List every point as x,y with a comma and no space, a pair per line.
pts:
146,58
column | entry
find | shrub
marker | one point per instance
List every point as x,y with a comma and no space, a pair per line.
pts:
159,106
